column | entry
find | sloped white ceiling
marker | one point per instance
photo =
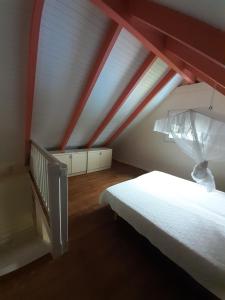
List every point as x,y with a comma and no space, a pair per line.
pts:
150,79
15,19
208,11
70,36
124,60
157,100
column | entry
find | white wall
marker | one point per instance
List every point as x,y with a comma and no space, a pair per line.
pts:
150,151
15,193
14,33
15,205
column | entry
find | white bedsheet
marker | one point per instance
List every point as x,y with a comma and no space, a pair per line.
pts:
180,218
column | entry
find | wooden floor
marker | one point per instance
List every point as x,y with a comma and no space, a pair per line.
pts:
84,190
106,260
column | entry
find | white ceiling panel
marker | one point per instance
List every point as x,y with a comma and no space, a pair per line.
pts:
125,58
157,100
70,36
157,70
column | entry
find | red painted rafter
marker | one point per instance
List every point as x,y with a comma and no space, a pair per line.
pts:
151,40
141,106
123,97
192,61
31,71
201,76
105,49
189,46
197,63
200,46
195,34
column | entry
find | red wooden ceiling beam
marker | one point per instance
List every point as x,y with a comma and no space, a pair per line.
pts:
153,41
123,97
200,46
192,62
187,45
197,62
195,34
105,49
31,71
202,77
141,106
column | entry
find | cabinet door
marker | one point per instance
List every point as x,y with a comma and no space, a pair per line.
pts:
105,158
66,159
93,160
79,162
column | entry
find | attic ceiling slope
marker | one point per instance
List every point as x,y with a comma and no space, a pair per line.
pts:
192,33
70,35
159,98
125,58
152,41
86,74
141,106
122,98
156,71
104,52
196,43
173,36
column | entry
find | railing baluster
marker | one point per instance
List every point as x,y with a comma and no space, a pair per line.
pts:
50,178
45,185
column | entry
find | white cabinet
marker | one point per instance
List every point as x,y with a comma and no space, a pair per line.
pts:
79,162
105,159
85,160
93,161
99,159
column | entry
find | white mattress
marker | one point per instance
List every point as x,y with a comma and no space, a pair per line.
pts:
180,218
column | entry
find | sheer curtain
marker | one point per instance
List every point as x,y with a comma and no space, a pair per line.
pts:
200,136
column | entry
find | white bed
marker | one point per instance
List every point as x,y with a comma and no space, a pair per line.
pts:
180,218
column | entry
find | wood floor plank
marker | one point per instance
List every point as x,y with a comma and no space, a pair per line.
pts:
84,190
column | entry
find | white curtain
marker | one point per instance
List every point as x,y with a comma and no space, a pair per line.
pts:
198,135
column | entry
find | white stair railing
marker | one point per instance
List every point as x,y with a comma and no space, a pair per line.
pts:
49,177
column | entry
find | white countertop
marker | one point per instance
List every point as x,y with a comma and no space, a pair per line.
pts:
78,150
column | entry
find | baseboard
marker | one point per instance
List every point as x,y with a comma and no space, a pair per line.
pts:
132,164
99,169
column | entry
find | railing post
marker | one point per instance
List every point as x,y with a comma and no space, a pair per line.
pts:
64,207
55,209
